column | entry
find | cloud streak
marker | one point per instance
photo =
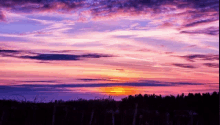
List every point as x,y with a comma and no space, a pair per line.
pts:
207,31
213,65
51,57
2,16
184,65
193,57
135,84
63,57
200,22
28,6
10,53
47,81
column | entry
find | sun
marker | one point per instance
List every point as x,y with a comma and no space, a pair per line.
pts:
118,90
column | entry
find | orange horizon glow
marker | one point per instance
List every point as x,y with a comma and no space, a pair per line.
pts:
118,90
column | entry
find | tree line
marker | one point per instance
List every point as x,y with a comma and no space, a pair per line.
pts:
151,109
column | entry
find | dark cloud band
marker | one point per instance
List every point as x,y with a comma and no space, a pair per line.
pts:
213,65
50,57
138,84
192,57
184,65
207,31
63,57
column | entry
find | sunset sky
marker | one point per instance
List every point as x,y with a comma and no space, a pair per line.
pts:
69,49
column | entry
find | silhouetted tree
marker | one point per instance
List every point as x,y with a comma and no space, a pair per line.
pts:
206,105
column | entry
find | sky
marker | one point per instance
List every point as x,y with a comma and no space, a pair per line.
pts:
71,49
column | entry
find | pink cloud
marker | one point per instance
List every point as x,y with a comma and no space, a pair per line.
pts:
190,13
2,16
82,19
166,25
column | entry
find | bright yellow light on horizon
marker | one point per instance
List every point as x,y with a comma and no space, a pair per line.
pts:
118,90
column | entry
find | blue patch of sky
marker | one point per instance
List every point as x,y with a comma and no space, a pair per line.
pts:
213,44
143,22
14,39
173,46
200,50
101,26
80,27
20,27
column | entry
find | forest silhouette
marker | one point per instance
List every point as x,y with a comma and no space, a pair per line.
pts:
192,109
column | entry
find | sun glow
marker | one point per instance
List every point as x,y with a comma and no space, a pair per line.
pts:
118,90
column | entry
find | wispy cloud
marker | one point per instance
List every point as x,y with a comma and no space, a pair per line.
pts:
213,65
2,16
64,57
206,31
9,51
92,80
201,22
41,5
47,81
193,57
143,83
120,70
50,57
184,65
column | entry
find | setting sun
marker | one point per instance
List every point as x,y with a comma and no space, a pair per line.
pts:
118,90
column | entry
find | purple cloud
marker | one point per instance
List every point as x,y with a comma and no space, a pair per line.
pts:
11,53
48,81
192,57
111,8
64,57
213,65
28,6
2,16
120,69
140,83
201,22
207,31
183,65
50,57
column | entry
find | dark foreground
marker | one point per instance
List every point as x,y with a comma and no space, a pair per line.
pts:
193,109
